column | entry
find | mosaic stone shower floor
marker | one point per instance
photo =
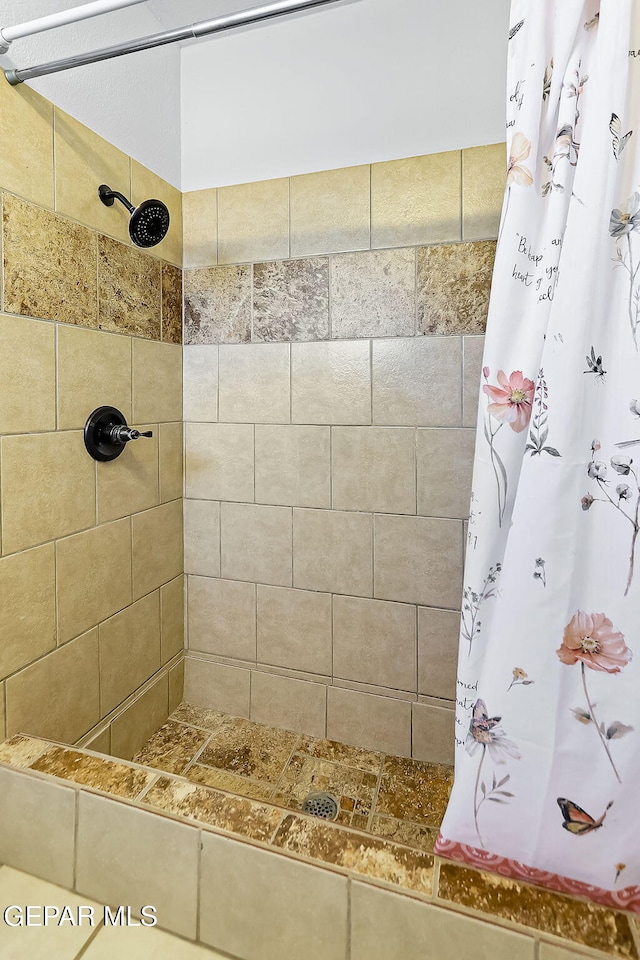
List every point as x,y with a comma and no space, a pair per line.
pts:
248,780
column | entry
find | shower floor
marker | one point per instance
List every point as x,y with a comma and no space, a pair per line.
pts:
400,799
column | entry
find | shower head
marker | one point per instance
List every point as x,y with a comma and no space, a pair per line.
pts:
149,221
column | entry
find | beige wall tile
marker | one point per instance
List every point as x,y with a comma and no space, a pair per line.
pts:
331,211
331,382
377,723
202,537
416,200
553,952
438,633
132,856
445,467
3,728
417,382
129,483
484,175
172,618
453,287
219,461
375,642
289,704
291,299
171,466
33,512
222,617
256,543
143,943
295,909
373,294
84,160
254,383
101,742
57,697
253,221
385,924
129,290
146,185
216,686
473,348
217,305
38,834
94,369
200,375
28,375
131,729
418,560
433,736
176,686
100,556
332,551
157,382
157,545
171,303
28,609
129,651
26,164
294,629
293,465
200,228
374,469
38,282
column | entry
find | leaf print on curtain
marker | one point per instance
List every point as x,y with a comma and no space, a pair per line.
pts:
556,513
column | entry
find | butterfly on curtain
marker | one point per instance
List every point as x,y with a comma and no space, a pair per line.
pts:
481,719
577,820
515,29
591,24
619,142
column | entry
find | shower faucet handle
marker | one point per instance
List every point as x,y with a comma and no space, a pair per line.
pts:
106,433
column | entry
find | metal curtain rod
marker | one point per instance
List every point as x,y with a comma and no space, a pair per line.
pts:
60,19
201,29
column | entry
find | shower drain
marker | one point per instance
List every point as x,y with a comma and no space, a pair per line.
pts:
321,805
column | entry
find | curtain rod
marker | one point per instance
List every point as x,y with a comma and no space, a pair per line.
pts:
60,19
201,29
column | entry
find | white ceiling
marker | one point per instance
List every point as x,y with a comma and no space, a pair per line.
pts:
357,81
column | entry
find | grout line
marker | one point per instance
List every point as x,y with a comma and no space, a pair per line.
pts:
85,947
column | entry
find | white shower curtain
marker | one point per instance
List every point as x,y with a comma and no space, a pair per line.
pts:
547,780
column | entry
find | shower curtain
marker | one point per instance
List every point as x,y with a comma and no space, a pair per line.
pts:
548,694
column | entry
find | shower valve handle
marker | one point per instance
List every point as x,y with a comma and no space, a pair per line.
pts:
106,433
120,433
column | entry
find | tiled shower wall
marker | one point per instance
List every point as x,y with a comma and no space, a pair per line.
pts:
333,337
91,584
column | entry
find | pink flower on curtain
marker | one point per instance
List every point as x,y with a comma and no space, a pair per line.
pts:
520,150
591,638
512,399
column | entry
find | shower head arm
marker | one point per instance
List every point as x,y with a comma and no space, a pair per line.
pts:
107,195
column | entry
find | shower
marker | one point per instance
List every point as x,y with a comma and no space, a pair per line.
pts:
149,221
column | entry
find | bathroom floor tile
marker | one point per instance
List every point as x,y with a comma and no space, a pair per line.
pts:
402,831
341,753
576,920
197,716
236,814
21,751
367,855
353,789
172,747
114,778
249,749
415,791
229,782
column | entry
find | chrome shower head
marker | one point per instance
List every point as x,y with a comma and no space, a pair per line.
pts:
149,221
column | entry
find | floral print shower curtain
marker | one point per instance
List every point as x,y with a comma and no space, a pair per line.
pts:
547,779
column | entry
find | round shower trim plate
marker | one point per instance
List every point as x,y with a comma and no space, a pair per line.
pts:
321,805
